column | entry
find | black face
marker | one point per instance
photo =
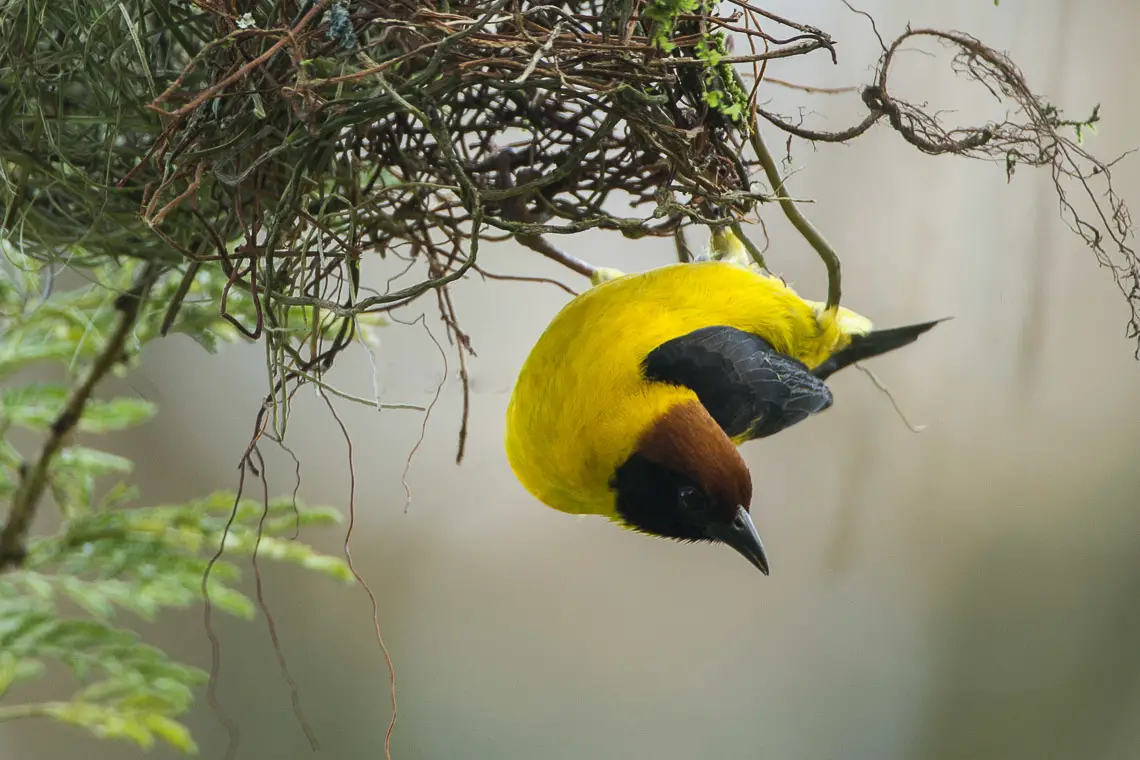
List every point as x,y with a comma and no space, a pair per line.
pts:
655,499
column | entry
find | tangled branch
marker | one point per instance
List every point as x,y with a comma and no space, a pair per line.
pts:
284,143
293,140
1034,134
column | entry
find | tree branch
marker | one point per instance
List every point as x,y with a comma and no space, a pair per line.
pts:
13,538
798,220
541,245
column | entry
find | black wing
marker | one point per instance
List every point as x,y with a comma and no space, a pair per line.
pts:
872,344
747,386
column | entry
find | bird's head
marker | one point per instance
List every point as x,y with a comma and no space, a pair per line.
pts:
687,481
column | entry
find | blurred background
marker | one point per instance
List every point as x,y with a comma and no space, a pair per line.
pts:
971,591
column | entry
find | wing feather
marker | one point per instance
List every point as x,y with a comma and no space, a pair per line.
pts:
749,388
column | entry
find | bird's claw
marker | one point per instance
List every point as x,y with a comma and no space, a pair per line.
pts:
605,274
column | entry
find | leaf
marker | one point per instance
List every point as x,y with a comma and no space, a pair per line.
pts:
23,632
77,635
15,355
9,455
231,601
112,722
117,496
334,567
94,462
38,586
34,406
13,670
118,414
173,733
38,405
372,319
204,338
87,596
119,690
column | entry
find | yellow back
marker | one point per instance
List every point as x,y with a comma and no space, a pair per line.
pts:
580,403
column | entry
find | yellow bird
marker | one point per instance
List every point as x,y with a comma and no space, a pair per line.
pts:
633,401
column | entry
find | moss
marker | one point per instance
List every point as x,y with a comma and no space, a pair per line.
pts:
721,90
664,14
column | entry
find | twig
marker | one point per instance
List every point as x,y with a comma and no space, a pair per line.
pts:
800,48
175,305
798,220
203,96
465,380
869,17
541,245
374,403
786,22
13,538
530,67
462,342
422,319
842,135
523,278
887,391
359,578
756,254
681,243
810,89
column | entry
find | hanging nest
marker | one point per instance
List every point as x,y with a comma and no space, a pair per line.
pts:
282,141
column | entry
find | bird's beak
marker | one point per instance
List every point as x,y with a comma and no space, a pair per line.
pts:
741,535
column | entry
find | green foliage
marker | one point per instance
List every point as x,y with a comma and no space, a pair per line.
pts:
71,603
722,89
664,14
1056,120
722,92
143,561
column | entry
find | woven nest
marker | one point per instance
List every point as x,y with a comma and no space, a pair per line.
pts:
282,141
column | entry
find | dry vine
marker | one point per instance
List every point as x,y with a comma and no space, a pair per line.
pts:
1034,134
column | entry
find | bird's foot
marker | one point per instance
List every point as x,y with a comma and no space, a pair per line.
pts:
605,274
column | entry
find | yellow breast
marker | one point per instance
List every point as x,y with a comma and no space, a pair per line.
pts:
580,403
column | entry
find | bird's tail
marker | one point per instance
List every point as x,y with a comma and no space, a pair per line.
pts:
872,344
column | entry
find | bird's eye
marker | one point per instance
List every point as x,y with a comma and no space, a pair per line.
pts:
690,499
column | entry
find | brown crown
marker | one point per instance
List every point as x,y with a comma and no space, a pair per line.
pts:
688,440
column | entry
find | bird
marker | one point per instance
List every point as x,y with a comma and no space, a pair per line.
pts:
634,400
